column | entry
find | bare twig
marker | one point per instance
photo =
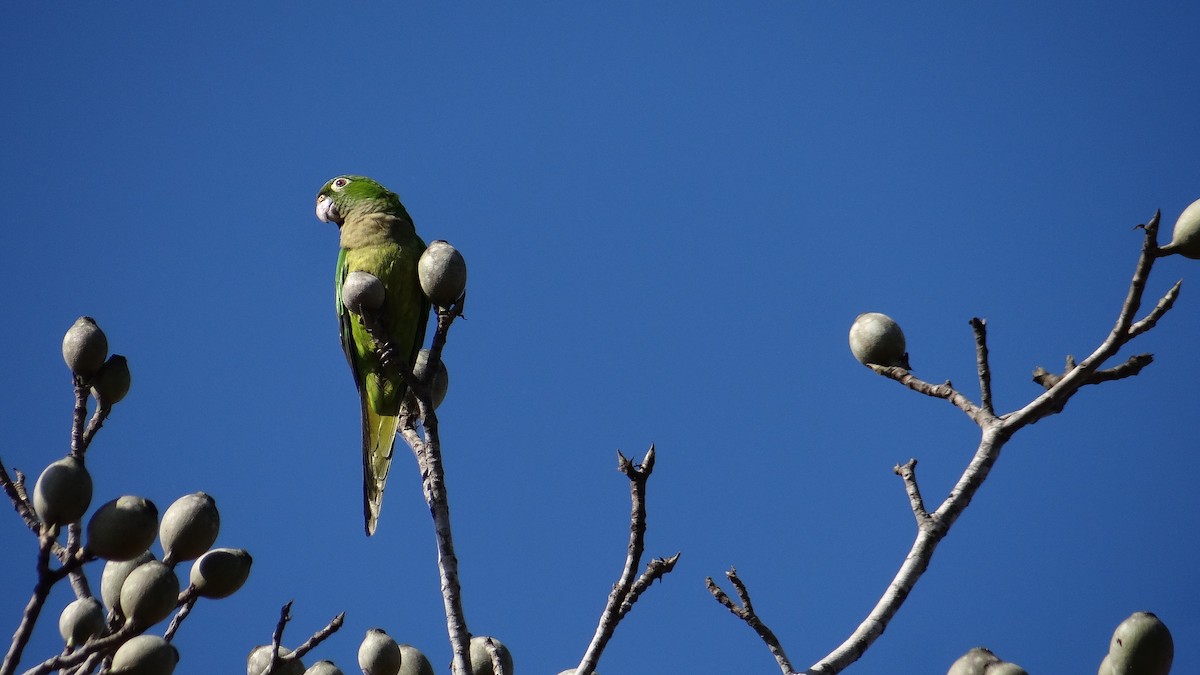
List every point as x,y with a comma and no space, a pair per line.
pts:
16,492
943,391
320,636
427,450
908,472
187,600
979,326
1164,305
656,569
494,654
92,651
79,416
33,608
995,432
746,613
627,589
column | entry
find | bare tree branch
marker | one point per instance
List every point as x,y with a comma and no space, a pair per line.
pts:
656,569
979,326
908,472
320,636
746,613
627,589
995,432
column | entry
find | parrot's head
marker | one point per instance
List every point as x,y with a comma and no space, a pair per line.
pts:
344,194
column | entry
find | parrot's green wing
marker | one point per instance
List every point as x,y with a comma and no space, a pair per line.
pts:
381,241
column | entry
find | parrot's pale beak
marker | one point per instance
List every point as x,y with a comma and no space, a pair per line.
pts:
326,210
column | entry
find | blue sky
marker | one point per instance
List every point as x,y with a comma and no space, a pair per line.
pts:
671,213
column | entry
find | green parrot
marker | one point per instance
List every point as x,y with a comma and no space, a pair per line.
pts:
377,237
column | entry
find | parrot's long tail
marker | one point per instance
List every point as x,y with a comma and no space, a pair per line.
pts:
379,438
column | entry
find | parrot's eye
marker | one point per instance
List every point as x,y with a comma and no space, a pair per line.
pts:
339,183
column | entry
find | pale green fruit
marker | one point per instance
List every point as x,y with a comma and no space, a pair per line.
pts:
220,572
413,662
84,347
379,654
323,668
145,655
876,339
81,620
114,576
189,527
123,528
974,662
441,377
1106,666
63,491
443,273
111,382
1141,645
362,292
1186,239
260,659
481,659
149,593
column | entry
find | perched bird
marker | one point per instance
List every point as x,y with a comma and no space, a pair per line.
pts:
378,238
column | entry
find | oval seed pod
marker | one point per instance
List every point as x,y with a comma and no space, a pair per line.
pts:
114,576
481,658
378,654
111,382
260,659
1186,238
362,292
189,527
440,383
149,593
63,492
413,662
145,655
122,528
1142,645
876,339
323,668
84,347
220,572
443,273
81,620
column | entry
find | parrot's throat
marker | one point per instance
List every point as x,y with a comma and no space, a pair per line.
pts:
360,230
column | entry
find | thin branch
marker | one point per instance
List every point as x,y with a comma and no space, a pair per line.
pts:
20,499
285,615
655,570
1164,305
494,655
320,636
995,433
96,647
944,391
979,327
908,472
33,608
427,451
627,589
746,613
187,600
79,416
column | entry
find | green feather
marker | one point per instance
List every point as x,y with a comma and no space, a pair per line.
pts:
378,237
